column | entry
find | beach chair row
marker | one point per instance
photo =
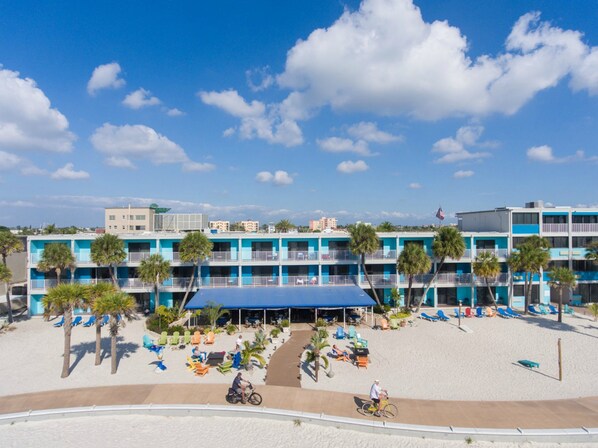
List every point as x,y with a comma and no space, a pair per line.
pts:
186,339
548,309
478,312
78,320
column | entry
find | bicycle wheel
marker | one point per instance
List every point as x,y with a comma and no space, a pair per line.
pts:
255,399
390,411
368,408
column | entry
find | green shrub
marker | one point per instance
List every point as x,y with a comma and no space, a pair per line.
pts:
381,309
320,323
275,332
231,329
178,328
285,323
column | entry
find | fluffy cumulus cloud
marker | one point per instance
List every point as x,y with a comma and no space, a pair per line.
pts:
415,186
369,132
544,154
123,144
454,149
257,120
105,76
279,177
259,79
461,174
350,167
68,172
27,119
361,135
174,112
385,59
12,162
140,98
337,144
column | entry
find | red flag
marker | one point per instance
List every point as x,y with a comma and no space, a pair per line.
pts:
440,214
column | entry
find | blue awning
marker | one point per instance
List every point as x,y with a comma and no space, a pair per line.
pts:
281,297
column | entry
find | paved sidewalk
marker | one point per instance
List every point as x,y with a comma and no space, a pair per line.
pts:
283,368
573,413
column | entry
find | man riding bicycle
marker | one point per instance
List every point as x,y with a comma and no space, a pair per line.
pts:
376,394
239,385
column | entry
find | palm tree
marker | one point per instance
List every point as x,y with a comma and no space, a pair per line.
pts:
284,225
385,226
531,258
92,294
249,352
194,248
318,343
592,252
6,277
364,241
413,261
155,270
56,257
486,265
448,243
562,278
117,305
63,300
9,244
213,312
109,250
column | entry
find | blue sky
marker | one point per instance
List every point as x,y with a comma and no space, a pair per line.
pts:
375,110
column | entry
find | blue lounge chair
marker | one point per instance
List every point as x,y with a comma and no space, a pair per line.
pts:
340,333
479,312
148,342
511,312
76,321
442,316
544,309
352,332
90,321
529,364
237,361
503,313
428,317
60,323
105,320
532,309
553,310
457,313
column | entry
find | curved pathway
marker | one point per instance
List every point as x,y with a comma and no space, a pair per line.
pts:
284,366
551,414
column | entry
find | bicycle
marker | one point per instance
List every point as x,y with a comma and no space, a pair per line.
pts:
251,395
387,409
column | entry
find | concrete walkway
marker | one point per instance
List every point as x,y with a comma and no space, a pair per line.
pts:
573,413
284,366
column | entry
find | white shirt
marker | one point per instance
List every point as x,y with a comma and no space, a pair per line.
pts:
375,391
239,343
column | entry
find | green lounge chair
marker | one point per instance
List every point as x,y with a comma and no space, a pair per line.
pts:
225,367
394,324
187,337
163,338
529,364
568,310
175,339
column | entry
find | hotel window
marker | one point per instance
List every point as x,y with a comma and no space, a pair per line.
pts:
112,217
525,218
585,219
584,241
549,219
557,264
584,266
518,290
518,241
139,217
558,241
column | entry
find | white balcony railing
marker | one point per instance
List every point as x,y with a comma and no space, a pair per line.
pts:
379,280
382,255
341,280
259,281
339,255
220,282
261,255
500,278
555,228
585,228
44,284
300,280
223,256
300,255
133,283
500,253
136,257
180,282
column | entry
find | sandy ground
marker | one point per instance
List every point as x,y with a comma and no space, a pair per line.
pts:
136,431
428,361
436,360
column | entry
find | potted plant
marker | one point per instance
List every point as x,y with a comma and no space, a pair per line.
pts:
320,323
275,333
285,325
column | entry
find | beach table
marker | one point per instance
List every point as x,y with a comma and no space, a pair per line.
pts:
215,358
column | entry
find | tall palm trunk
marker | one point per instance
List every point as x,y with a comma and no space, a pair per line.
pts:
113,335
8,304
98,340
157,295
72,276
113,272
408,304
58,274
491,293
66,363
367,277
189,286
317,363
419,304
528,291
560,319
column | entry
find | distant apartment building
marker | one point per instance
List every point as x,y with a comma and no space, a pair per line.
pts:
221,226
250,226
129,219
322,224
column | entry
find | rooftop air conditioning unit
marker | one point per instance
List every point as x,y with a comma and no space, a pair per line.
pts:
534,204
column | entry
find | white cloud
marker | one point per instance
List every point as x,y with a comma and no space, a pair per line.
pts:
140,98
229,132
415,186
369,132
68,172
385,59
337,144
105,77
350,167
257,120
279,177
174,112
12,162
454,149
198,167
259,79
27,120
120,144
8,161
462,174
544,154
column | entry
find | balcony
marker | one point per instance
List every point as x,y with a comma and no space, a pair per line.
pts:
45,284
136,257
555,228
379,280
585,227
223,257
262,255
380,255
501,278
220,282
259,281
300,280
499,253
180,283
339,255
300,255
466,254
341,280
133,283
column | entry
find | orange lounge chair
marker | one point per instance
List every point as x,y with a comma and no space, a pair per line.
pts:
490,312
196,338
340,354
201,370
362,361
384,324
209,338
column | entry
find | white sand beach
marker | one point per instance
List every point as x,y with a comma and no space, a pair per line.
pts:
428,361
137,432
